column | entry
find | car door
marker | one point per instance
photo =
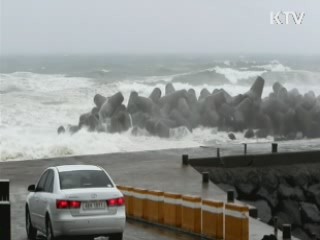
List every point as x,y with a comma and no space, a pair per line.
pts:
45,197
34,200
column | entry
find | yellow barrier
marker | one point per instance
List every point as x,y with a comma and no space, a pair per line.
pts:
138,197
172,209
191,214
154,206
208,217
212,219
236,222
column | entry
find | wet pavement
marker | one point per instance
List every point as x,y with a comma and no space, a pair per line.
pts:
159,170
137,231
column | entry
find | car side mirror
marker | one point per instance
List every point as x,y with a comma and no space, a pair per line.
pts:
32,188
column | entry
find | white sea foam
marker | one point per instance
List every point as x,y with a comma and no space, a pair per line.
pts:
275,66
227,62
31,115
28,81
234,75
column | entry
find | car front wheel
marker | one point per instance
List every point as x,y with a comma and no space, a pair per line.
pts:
31,231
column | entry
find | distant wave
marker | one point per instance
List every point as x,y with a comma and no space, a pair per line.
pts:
234,75
214,75
105,70
29,81
274,66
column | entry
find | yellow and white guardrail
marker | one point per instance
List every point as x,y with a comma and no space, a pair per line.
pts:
212,218
208,218
172,205
236,222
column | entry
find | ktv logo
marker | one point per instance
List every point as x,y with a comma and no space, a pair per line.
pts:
286,17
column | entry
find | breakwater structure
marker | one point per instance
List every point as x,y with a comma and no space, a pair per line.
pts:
284,114
284,187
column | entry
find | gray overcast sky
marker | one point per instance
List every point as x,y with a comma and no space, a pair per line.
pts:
162,26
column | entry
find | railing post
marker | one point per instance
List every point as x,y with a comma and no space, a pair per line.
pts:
205,177
4,190
5,210
275,225
185,159
230,196
274,147
245,148
286,232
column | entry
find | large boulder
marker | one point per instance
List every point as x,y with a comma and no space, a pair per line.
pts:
310,213
99,100
204,93
139,119
270,180
264,210
249,133
287,192
170,101
309,100
244,111
283,218
140,104
132,107
157,128
120,120
256,90
313,193
61,130
291,209
72,129
232,136
169,89
109,106
212,102
270,197
183,107
262,133
179,119
300,233
144,104
155,95
246,190
88,120
312,229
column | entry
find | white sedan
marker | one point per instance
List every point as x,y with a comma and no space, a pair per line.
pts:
75,200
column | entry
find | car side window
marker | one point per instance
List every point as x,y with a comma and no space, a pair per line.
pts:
41,182
48,187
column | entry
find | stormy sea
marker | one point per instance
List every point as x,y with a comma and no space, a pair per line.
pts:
40,93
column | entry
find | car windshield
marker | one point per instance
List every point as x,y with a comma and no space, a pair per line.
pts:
84,179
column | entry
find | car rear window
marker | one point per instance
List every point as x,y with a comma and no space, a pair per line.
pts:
84,179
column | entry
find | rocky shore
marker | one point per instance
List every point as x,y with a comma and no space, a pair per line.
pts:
291,193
